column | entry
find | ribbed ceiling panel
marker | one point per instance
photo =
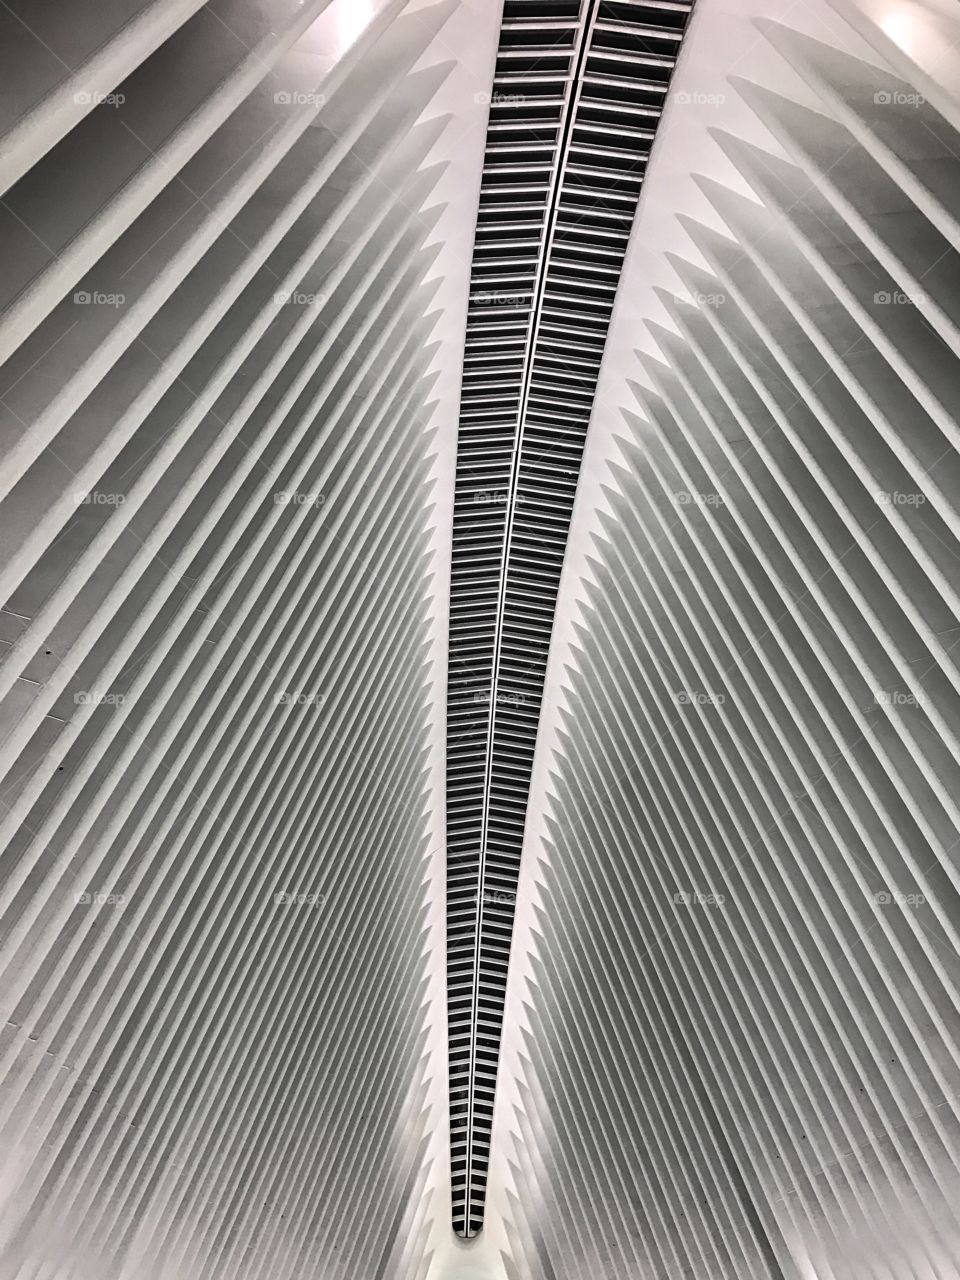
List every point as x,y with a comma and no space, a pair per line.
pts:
578,91
214,667
742,1051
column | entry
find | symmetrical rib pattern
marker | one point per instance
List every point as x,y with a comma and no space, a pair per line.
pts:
578,91
216,696
742,1051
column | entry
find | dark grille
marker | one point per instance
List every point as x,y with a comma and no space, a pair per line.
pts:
577,94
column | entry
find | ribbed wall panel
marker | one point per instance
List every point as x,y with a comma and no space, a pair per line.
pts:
739,1050
218,314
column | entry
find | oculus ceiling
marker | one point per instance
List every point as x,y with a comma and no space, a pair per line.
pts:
478,684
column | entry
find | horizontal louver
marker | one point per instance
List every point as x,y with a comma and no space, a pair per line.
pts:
577,94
